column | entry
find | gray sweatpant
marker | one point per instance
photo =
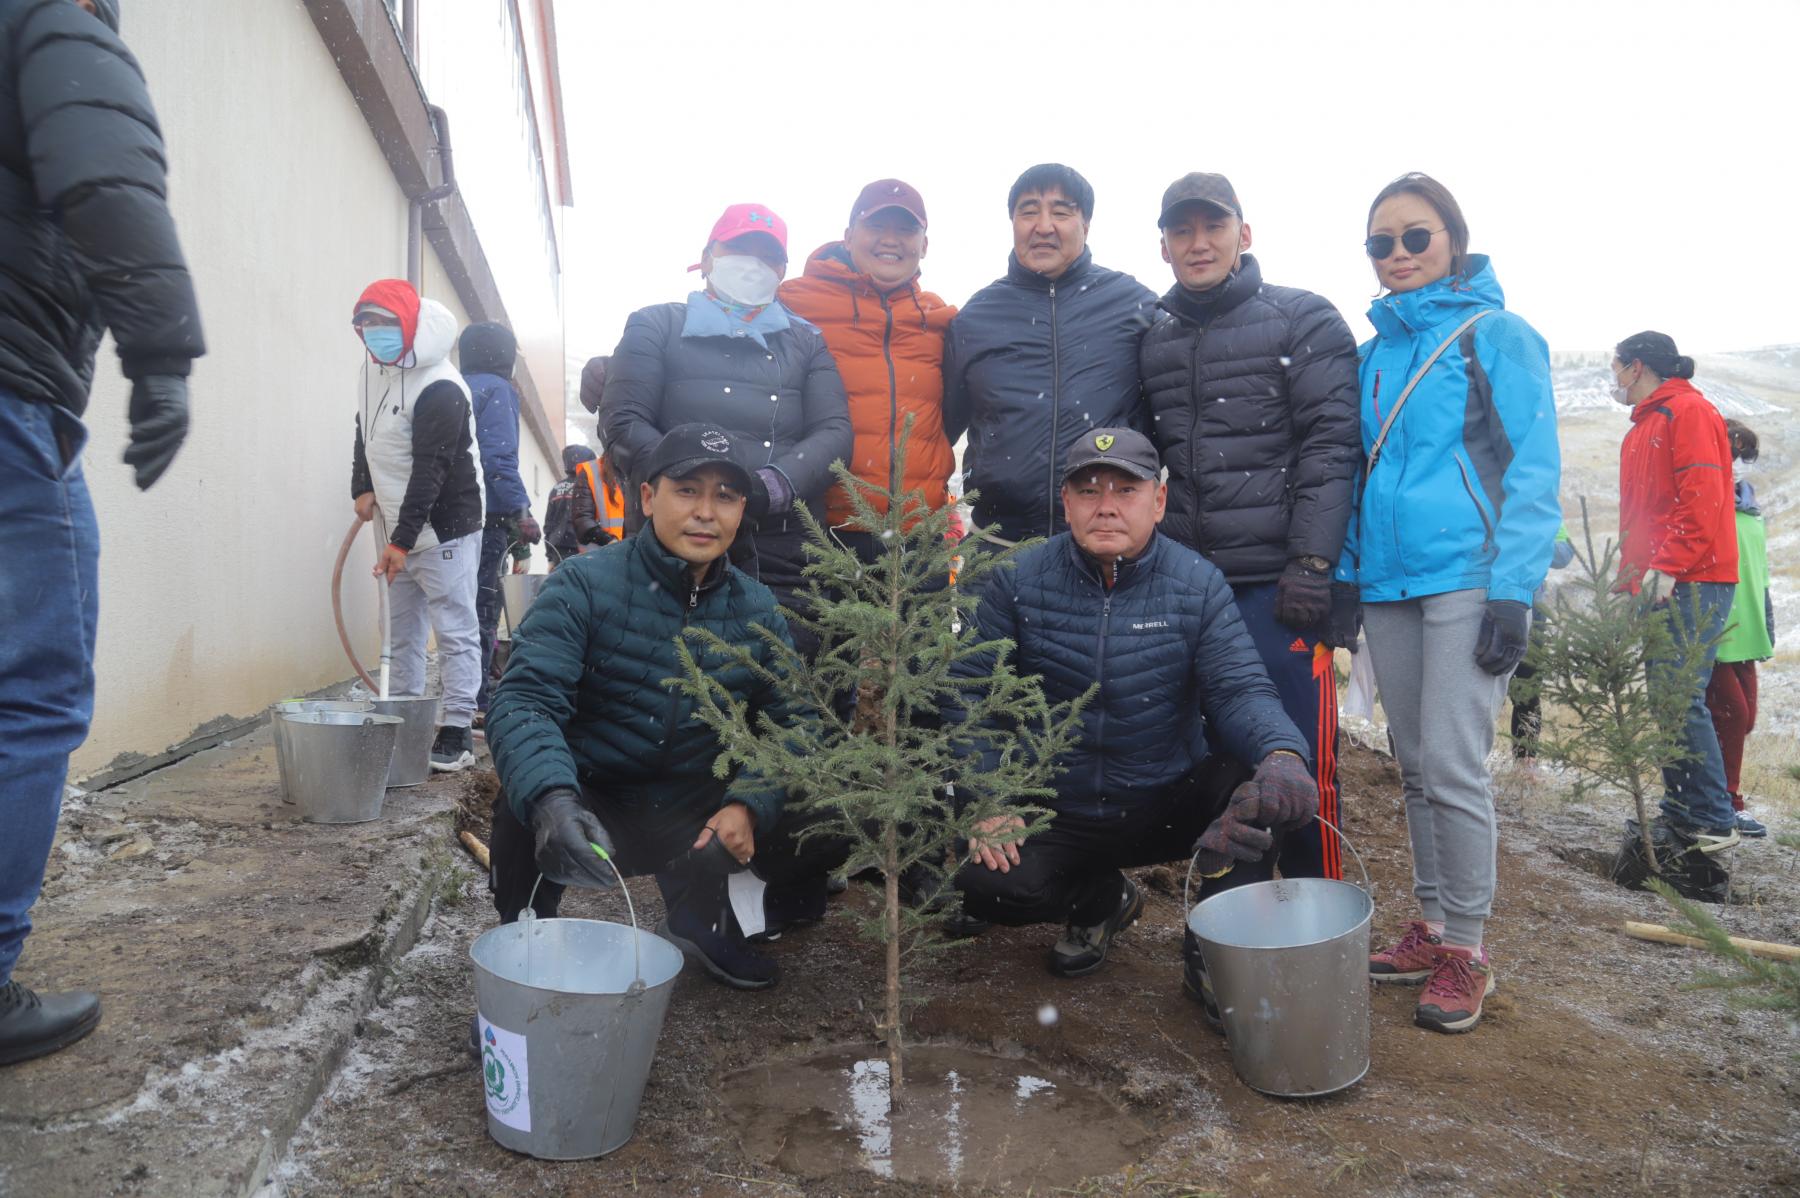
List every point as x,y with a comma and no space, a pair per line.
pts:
436,592
1441,708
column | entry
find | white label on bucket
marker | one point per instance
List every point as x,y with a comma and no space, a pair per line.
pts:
506,1076
746,890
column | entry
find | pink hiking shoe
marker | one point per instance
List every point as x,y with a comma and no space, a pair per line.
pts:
1411,960
1452,998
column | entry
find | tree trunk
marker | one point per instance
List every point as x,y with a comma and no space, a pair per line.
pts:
891,871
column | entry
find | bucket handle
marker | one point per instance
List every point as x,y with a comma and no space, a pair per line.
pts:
637,953
1187,903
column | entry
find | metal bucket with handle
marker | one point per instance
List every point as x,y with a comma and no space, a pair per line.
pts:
1289,966
568,1013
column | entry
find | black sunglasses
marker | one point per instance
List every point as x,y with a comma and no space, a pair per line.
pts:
1381,245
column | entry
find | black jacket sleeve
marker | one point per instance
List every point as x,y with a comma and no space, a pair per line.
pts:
956,393
1323,389
97,164
440,415
807,463
631,409
582,516
361,483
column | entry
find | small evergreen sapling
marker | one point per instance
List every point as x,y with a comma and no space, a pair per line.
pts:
1607,656
873,773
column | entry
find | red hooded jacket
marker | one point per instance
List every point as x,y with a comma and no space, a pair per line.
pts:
1676,512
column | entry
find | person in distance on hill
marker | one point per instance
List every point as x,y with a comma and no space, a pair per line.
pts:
1678,548
1749,631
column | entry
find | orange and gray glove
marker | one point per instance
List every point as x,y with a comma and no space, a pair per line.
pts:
1234,836
1290,796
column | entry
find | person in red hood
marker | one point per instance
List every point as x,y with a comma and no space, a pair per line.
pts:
886,335
1678,549
416,467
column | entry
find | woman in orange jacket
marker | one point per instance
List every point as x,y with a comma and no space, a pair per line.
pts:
887,337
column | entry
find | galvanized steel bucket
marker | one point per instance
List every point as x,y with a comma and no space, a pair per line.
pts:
517,591
338,763
1289,965
569,1015
412,748
279,731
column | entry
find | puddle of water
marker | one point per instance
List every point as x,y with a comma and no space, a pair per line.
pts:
969,1118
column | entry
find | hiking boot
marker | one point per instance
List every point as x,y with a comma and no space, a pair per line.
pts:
1196,982
1750,827
1082,950
36,1025
454,749
720,949
836,884
1459,981
1411,960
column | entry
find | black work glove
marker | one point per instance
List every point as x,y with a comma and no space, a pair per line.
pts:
1505,630
159,424
530,531
1344,624
565,831
1303,596
1234,836
1290,796
710,860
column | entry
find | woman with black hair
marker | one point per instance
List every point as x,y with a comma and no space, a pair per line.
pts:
1450,538
1749,633
1678,549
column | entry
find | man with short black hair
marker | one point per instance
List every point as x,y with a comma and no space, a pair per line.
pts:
1253,394
593,749
1041,357
1183,703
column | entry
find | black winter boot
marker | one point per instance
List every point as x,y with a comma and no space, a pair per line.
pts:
36,1025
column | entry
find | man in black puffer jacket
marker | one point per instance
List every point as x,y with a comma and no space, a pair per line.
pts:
734,356
1040,358
1182,702
1254,394
592,747
88,246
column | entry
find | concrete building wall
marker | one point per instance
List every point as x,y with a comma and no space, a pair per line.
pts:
214,585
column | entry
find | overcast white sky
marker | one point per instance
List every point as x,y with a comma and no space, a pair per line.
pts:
1627,165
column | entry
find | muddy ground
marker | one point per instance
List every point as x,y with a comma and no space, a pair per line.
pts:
1596,1071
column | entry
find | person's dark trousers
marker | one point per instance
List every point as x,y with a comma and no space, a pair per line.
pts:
1731,698
1305,678
495,537
1527,710
782,859
1070,871
1694,794
49,609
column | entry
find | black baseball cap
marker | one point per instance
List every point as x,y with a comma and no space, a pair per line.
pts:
685,448
1121,448
1200,188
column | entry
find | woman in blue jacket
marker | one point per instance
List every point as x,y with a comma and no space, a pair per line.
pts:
1451,537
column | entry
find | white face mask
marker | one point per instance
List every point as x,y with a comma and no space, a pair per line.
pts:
743,279
1620,396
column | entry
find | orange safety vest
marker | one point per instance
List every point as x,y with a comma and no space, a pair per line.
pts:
609,501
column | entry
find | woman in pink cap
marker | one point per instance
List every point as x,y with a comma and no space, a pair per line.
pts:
733,355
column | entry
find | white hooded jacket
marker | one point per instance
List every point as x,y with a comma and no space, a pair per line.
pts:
388,402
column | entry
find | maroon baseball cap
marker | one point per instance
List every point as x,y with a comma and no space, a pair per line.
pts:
740,219
889,193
